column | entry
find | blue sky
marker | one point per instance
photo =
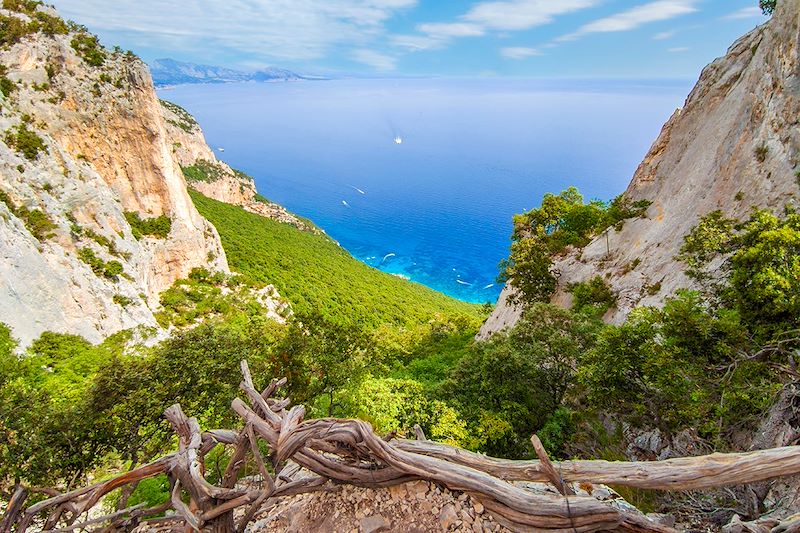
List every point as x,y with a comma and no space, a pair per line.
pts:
529,38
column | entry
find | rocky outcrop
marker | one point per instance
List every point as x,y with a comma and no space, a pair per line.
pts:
214,178
105,152
734,145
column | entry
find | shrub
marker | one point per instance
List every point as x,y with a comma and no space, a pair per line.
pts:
203,170
185,121
25,141
89,49
594,296
36,221
122,300
7,86
767,6
761,153
158,227
110,269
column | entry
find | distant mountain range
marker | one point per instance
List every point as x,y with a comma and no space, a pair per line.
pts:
172,72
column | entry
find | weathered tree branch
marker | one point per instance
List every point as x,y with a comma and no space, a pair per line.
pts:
349,452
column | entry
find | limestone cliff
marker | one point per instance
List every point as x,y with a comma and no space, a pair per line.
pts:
733,145
214,178
86,149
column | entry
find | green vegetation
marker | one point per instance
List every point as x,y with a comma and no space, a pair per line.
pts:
185,121
761,152
89,49
204,295
25,141
7,86
542,234
158,227
108,269
767,6
366,344
759,275
317,276
592,297
121,300
13,29
203,170
36,221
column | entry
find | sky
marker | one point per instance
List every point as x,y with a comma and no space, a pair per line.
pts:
521,38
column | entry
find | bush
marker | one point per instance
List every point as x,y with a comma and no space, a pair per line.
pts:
36,221
25,141
768,6
158,227
185,121
110,269
594,296
89,49
761,153
7,86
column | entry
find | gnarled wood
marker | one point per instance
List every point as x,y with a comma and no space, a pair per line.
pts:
685,473
348,451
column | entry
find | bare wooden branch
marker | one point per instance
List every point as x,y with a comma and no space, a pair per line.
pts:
13,509
549,470
685,473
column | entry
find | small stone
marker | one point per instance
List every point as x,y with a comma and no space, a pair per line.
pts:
465,516
448,516
397,492
478,506
374,523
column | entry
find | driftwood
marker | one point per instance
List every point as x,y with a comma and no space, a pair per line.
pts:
348,451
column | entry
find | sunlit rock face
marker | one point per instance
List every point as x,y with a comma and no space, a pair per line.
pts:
108,152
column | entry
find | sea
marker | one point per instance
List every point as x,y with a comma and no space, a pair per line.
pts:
421,177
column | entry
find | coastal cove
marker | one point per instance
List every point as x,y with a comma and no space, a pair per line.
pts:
436,208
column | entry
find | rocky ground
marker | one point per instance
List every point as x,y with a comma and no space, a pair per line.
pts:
414,507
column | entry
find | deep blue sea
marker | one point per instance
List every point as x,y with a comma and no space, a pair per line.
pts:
436,208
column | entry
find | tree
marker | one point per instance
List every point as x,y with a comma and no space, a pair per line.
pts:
752,267
768,6
324,358
510,386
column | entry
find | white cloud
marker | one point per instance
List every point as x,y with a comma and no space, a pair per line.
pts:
415,43
663,35
522,14
634,18
519,52
746,13
252,29
451,29
483,17
678,49
374,59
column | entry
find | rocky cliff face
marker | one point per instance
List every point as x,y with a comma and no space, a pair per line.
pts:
214,178
734,145
86,148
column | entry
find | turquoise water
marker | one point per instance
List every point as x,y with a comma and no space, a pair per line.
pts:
436,208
